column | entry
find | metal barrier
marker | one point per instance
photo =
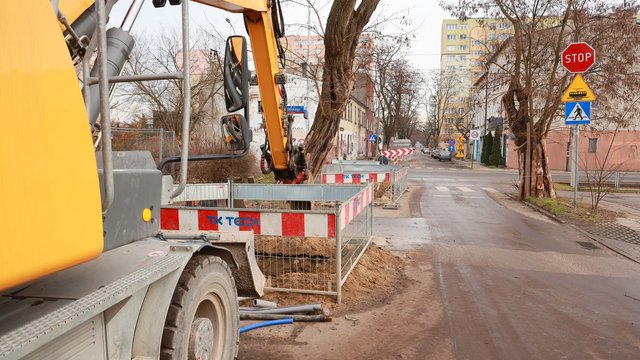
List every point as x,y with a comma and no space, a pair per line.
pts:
308,238
390,181
160,142
400,183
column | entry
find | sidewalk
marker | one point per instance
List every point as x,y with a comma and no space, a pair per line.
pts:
621,236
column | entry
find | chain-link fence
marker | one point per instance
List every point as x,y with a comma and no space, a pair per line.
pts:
159,142
308,238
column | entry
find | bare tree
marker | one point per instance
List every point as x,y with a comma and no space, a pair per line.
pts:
345,23
400,94
541,30
464,121
442,89
161,100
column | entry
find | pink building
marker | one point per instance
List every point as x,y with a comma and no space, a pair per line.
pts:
624,156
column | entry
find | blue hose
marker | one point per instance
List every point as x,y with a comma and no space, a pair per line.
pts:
266,323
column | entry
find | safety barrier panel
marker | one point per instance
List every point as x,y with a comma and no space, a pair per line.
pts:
390,181
400,183
398,154
308,238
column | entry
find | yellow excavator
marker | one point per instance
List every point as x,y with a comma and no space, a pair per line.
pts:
85,272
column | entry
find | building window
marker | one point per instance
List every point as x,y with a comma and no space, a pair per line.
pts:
492,36
451,48
476,42
463,47
451,37
593,145
463,26
452,27
463,36
451,58
463,58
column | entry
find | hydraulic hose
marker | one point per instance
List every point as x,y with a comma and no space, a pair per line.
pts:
265,323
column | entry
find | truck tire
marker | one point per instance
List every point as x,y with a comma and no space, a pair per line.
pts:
202,321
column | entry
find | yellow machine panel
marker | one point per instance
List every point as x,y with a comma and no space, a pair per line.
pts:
50,211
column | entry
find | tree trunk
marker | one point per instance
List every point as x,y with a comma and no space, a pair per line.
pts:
342,35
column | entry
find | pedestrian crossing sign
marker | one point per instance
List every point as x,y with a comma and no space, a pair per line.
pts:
577,113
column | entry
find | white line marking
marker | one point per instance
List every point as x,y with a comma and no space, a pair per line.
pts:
442,188
465,189
489,189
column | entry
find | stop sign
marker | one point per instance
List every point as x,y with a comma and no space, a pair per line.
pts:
578,57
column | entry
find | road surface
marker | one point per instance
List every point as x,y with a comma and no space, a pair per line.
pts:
487,278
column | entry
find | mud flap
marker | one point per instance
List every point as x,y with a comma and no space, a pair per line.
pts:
236,248
249,279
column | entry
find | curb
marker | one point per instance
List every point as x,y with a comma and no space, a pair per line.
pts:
600,241
538,209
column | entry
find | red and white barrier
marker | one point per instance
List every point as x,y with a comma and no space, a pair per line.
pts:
351,178
266,222
398,154
352,208
261,223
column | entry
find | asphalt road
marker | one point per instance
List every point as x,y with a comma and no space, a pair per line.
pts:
515,285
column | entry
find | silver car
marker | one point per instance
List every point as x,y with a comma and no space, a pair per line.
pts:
444,155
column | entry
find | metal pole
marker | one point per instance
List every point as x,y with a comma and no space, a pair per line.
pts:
575,166
473,152
103,86
339,220
161,143
186,109
132,15
527,163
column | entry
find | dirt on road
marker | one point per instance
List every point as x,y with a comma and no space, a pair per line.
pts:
390,310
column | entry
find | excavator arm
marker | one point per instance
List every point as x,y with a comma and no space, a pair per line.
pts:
280,155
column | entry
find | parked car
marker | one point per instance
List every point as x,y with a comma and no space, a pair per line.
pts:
444,155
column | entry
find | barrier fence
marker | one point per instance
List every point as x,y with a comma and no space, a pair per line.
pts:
390,181
160,142
308,238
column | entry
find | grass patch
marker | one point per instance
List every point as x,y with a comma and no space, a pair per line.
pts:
266,179
563,208
584,188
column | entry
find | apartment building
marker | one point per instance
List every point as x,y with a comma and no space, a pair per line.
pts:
464,46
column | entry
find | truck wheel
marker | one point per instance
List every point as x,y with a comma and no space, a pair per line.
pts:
202,322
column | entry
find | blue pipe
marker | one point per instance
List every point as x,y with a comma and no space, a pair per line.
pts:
266,323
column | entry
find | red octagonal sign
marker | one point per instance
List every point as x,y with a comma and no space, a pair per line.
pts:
578,57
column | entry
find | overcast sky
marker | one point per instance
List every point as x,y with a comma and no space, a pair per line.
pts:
426,20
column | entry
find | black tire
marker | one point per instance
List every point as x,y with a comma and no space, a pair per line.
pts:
204,307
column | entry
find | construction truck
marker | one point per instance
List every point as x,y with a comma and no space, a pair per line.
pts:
85,272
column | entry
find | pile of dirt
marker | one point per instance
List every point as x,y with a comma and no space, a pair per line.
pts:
376,277
310,247
382,191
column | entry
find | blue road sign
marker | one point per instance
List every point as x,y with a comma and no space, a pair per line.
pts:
295,109
452,142
372,138
451,148
576,113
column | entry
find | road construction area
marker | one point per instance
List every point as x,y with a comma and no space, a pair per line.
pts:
463,271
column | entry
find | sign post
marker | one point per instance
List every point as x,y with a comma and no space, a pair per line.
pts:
474,135
577,58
